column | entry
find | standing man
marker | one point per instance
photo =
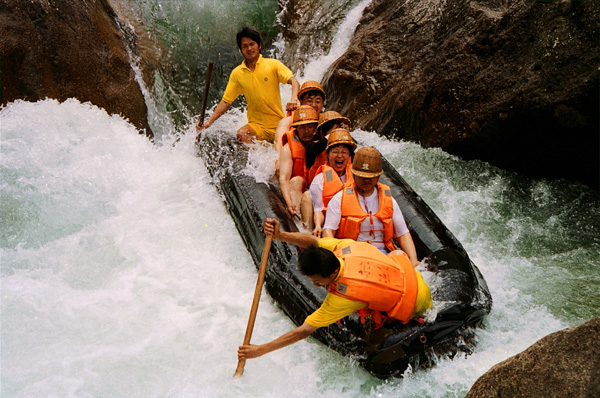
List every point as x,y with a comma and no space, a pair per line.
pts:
365,210
258,79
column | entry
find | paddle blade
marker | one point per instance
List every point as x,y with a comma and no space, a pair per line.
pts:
240,368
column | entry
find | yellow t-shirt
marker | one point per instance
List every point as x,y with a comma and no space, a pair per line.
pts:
261,89
335,307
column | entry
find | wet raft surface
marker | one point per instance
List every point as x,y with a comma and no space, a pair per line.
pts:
460,293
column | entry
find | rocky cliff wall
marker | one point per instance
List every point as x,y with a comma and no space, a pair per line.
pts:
62,49
514,83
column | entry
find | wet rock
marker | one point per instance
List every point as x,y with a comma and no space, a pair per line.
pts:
308,27
563,364
514,83
62,49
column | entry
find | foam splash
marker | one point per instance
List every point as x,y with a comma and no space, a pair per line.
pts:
145,287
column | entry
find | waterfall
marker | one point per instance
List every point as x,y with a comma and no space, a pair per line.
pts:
123,275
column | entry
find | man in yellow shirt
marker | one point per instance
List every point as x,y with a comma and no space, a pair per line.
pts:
343,266
258,79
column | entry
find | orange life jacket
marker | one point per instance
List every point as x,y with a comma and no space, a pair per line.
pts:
385,283
298,154
320,160
353,215
332,183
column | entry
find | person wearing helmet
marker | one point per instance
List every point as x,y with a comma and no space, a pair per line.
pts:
292,175
258,79
311,93
331,177
365,210
315,151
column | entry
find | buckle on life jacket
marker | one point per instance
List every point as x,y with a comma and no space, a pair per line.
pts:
376,317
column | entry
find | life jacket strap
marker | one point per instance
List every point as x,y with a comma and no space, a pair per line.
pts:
377,317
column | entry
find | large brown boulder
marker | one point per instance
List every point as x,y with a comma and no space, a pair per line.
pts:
62,49
514,83
563,364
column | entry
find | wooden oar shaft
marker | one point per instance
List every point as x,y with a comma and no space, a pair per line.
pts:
261,278
206,88
204,100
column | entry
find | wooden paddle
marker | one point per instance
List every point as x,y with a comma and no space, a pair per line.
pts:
261,277
205,98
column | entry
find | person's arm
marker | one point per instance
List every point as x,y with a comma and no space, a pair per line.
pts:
296,238
286,165
328,233
408,246
282,126
316,196
402,234
318,219
217,113
293,103
291,337
333,216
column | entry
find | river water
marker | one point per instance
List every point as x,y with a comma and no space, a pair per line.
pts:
124,276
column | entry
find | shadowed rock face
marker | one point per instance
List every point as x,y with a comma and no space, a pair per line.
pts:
308,28
63,49
563,364
514,83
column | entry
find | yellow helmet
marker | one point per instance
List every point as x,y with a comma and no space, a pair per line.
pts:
340,136
367,163
305,114
310,85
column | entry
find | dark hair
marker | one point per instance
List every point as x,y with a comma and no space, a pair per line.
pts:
311,93
317,261
249,33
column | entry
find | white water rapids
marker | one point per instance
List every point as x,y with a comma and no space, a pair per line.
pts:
124,276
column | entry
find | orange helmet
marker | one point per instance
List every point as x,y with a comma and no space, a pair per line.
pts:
329,116
367,163
340,136
304,114
310,85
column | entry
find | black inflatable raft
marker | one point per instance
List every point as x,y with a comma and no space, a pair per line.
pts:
459,292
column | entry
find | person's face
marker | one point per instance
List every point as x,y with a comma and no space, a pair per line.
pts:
306,132
316,101
365,186
250,49
319,280
338,157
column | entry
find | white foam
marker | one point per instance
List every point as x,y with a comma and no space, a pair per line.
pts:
145,289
